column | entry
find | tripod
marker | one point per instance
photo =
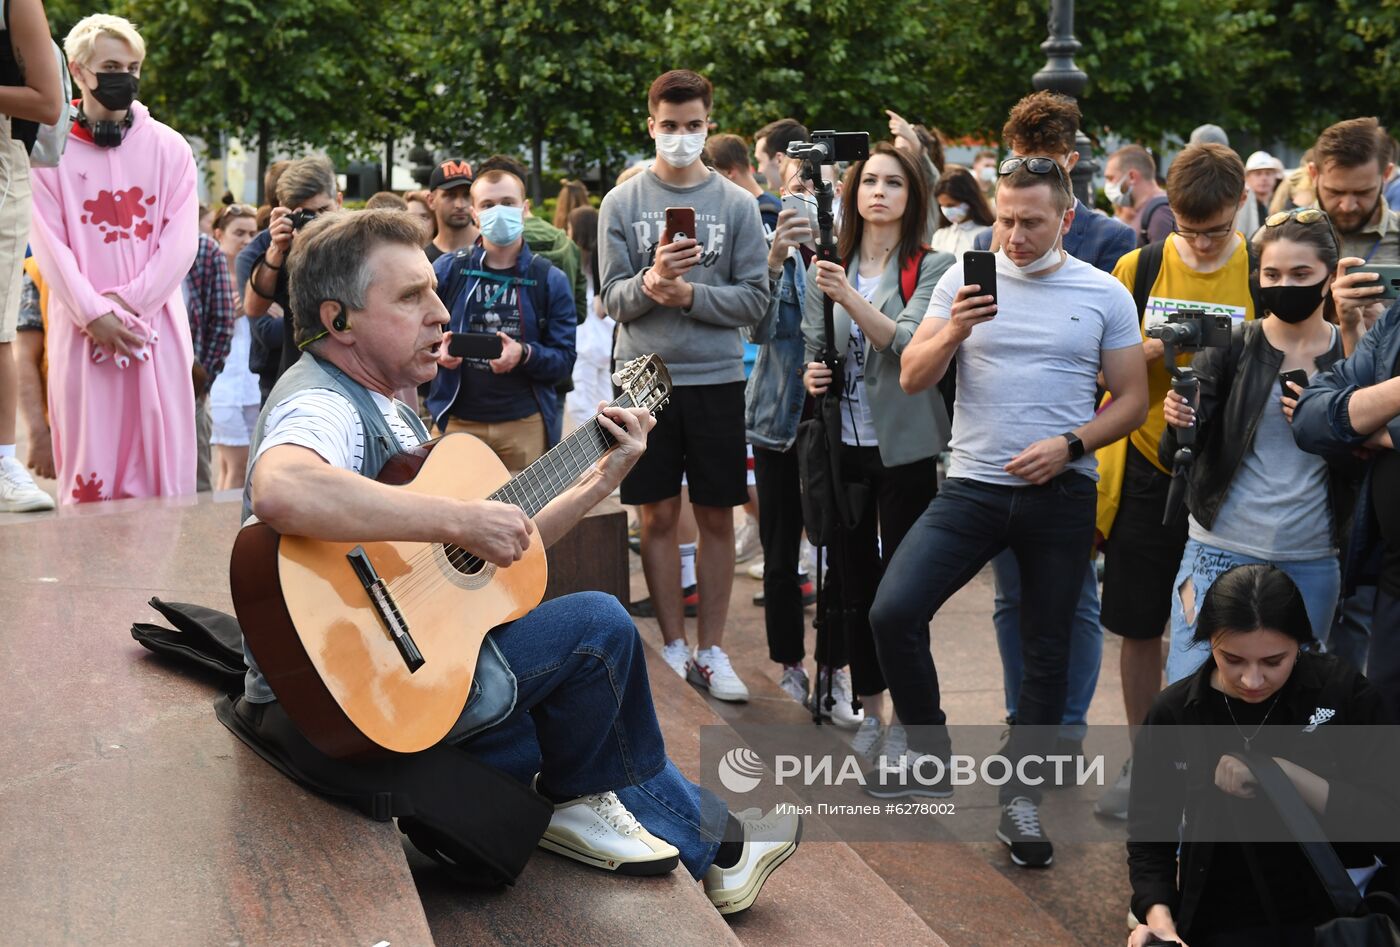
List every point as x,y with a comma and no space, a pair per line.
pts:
1188,386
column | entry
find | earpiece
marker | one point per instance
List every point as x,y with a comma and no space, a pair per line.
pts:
340,323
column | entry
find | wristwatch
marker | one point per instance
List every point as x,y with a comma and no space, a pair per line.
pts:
1076,446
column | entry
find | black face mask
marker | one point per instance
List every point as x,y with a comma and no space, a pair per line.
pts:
1292,304
116,90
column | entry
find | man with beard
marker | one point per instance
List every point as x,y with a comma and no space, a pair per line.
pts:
449,195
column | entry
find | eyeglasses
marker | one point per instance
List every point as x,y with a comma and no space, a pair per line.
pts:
1035,164
1216,235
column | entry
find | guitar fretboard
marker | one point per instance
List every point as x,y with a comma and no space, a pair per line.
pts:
561,465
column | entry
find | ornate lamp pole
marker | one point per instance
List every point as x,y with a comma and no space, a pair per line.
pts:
1060,74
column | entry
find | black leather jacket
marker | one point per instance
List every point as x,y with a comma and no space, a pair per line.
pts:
1237,384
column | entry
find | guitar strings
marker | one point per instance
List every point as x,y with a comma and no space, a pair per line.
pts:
529,483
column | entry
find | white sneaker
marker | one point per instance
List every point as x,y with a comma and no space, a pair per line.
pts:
842,713
677,655
795,683
768,842
18,492
599,831
746,541
868,737
807,558
756,569
711,669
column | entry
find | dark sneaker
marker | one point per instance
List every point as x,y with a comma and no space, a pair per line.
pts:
906,773
644,609
1020,830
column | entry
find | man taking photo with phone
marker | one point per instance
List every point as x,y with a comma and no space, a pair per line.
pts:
683,300
511,338
1022,475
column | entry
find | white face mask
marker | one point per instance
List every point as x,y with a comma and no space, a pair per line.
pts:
1117,194
956,214
680,151
1048,259
988,173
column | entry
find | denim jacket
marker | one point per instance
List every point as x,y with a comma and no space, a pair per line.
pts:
1321,425
774,394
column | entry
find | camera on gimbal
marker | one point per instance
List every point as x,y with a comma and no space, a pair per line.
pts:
829,147
1191,330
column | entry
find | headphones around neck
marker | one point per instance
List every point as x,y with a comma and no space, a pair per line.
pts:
105,134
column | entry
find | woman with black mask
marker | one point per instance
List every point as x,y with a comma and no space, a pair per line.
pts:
1254,496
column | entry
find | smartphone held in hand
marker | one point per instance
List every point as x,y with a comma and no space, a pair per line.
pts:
980,269
474,345
680,225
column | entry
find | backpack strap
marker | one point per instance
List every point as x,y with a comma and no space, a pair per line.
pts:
909,275
1254,279
456,279
1147,222
1149,264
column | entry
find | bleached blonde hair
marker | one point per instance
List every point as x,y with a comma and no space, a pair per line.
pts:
82,37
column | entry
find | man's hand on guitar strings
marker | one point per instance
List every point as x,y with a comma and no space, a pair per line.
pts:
497,532
629,427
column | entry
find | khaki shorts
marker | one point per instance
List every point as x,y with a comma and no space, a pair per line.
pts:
14,227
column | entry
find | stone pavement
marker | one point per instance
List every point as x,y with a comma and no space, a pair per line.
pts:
1084,893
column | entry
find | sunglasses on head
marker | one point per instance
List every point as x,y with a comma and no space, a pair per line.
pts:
1304,215
230,211
1035,164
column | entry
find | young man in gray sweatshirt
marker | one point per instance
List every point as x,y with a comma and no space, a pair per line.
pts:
685,301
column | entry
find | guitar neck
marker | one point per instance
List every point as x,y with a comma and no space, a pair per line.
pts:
561,465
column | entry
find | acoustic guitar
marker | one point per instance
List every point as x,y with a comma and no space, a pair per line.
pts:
372,646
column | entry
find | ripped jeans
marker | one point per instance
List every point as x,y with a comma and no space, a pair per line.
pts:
1319,580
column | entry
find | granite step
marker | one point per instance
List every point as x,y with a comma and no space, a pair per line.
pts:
826,893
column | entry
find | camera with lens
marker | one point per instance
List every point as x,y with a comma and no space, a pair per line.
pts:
829,147
1191,330
300,218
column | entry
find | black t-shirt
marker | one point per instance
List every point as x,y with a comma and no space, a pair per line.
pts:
433,252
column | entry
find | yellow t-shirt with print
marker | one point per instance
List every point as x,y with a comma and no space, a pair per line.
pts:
1223,292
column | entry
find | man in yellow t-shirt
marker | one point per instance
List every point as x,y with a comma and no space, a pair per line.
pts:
1204,265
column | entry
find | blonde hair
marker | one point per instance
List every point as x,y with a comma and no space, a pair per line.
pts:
82,37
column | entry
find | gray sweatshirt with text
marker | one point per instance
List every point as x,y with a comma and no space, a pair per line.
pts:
702,345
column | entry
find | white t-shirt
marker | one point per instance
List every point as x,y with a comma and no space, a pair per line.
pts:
857,428
325,421
1031,372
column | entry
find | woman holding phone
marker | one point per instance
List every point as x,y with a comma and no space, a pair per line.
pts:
889,440
1254,496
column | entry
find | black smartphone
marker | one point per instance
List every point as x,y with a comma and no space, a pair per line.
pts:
980,268
474,345
1297,376
1388,278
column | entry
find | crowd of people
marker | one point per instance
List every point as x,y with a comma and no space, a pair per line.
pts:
1032,425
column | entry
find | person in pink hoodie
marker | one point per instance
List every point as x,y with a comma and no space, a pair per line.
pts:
114,230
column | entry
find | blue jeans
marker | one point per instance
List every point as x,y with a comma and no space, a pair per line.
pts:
1085,644
1319,580
584,721
1050,530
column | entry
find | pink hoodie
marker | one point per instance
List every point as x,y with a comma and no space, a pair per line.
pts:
122,220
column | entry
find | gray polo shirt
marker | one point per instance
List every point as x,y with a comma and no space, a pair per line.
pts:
1378,242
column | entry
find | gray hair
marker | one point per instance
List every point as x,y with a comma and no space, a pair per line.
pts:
306,178
330,261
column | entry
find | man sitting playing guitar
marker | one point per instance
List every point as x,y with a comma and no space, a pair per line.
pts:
370,324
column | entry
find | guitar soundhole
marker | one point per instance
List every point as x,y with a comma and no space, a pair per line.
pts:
463,561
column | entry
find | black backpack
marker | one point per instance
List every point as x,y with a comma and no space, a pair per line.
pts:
1150,264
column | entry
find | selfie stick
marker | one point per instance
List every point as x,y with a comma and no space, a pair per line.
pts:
1188,386
826,250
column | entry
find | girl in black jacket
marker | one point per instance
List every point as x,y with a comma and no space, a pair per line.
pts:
1318,712
1254,495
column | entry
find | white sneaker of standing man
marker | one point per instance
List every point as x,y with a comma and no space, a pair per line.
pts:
677,655
710,668
598,830
768,842
18,491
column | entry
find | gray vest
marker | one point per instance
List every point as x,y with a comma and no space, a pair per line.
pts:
493,689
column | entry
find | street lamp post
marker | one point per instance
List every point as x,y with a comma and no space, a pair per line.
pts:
1060,74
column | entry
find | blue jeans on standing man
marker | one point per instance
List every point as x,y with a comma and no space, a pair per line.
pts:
584,721
1050,530
1085,644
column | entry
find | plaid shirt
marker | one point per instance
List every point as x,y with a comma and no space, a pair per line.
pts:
212,305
